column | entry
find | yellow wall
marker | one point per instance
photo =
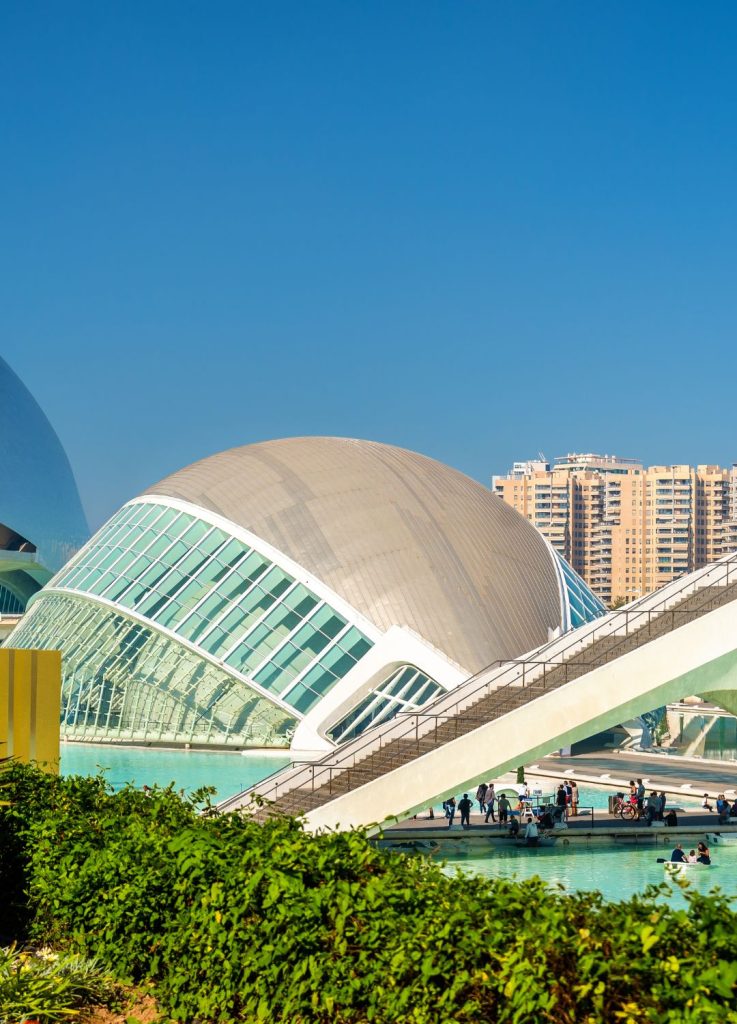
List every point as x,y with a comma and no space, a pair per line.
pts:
30,701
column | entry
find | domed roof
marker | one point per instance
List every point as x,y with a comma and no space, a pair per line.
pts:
404,539
39,500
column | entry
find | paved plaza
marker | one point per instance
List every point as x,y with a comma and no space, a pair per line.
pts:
679,777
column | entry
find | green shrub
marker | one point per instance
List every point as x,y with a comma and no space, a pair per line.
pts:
46,986
234,921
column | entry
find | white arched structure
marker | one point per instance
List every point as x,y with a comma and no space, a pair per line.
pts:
679,641
294,593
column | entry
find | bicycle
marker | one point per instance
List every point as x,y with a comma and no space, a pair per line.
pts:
626,809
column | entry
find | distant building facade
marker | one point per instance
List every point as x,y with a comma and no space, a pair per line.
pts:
625,528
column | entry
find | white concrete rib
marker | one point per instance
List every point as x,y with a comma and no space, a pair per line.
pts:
699,655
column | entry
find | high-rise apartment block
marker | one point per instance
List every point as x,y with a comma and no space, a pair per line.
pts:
627,529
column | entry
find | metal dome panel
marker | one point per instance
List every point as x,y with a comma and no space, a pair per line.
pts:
41,517
404,539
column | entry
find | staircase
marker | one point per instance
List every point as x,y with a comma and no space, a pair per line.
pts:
490,694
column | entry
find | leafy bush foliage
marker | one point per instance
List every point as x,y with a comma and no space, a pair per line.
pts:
234,921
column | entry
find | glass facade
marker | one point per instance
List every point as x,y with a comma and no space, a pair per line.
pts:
583,604
9,603
123,681
406,689
182,574
173,630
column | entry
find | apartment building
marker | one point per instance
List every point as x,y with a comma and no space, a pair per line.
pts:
627,529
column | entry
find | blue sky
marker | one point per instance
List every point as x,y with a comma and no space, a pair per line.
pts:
469,228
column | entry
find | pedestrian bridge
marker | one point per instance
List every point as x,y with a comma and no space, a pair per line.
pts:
679,641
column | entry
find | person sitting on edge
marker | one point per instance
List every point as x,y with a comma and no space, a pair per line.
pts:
705,803
546,819
531,832
702,854
733,810
513,827
722,809
678,856
464,806
691,859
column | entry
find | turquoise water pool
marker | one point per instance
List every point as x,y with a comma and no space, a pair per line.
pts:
228,771
617,873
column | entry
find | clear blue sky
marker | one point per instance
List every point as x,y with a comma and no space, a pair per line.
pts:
474,229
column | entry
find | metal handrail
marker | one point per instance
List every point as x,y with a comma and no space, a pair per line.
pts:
609,625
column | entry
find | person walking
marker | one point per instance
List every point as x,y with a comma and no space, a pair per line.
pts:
650,812
663,802
574,798
481,796
561,800
503,805
490,801
449,806
640,795
464,806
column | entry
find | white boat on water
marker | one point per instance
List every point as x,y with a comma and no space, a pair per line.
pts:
682,867
721,838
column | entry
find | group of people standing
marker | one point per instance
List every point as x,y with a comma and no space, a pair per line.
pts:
567,797
486,796
651,808
498,808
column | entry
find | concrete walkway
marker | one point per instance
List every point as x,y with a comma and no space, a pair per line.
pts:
679,777
690,777
434,836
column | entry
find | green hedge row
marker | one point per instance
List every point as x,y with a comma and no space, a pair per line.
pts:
234,921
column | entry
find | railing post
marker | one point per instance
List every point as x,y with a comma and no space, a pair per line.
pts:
524,668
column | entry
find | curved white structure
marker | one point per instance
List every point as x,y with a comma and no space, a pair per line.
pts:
295,591
41,519
681,640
